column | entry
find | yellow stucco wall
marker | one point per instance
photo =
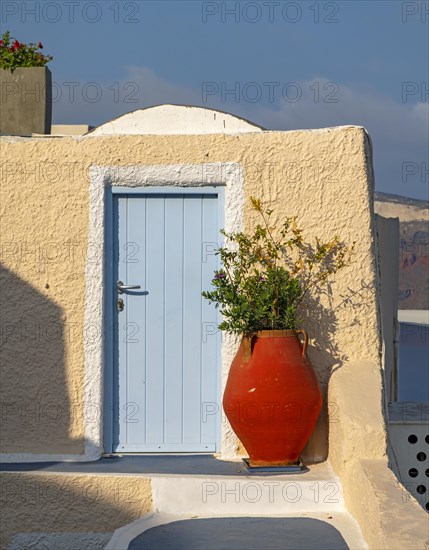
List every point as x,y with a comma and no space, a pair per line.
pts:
322,177
58,503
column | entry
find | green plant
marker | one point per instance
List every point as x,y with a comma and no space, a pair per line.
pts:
14,54
266,274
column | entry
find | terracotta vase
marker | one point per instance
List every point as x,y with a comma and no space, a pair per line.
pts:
272,398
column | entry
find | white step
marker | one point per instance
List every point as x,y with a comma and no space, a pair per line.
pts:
318,490
315,494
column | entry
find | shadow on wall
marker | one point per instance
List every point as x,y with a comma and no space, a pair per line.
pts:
54,510
326,357
36,409
320,325
43,511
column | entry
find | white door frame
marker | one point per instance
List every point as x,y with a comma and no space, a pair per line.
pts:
103,180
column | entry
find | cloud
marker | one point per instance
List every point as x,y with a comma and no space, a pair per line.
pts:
98,102
339,104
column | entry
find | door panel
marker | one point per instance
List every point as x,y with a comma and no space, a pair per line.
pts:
166,373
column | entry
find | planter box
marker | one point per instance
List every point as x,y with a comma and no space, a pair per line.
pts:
25,101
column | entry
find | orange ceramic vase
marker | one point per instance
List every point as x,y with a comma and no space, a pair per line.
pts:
272,398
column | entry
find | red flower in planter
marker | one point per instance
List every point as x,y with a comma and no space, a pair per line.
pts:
14,53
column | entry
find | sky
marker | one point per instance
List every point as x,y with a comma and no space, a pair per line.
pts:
281,64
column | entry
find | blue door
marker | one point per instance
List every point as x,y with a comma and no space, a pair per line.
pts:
166,375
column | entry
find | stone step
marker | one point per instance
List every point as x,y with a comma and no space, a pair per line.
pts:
134,494
244,510
318,490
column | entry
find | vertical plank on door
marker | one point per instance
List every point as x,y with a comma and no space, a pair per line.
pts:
121,381
210,410
154,323
135,310
173,319
192,322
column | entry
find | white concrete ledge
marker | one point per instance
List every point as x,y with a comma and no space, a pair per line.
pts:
318,490
390,518
414,316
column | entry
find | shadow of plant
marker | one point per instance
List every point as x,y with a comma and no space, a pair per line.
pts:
320,311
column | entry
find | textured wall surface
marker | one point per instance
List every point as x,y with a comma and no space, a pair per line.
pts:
43,254
58,503
321,176
60,541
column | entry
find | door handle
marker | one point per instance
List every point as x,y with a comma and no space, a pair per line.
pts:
121,287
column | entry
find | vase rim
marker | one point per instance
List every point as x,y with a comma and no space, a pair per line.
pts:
286,333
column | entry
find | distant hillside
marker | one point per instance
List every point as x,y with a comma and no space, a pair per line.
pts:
413,217
404,208
399,199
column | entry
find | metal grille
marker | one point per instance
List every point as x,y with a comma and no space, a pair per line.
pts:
409,438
